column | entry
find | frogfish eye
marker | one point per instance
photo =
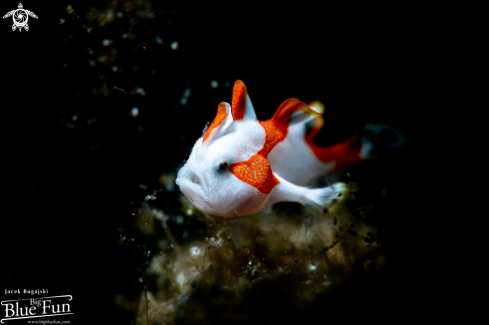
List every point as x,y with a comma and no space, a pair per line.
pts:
223,165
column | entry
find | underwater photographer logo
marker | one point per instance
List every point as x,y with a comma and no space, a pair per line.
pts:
36,307
20,17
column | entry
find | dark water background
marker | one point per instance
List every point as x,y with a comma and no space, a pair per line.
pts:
70,186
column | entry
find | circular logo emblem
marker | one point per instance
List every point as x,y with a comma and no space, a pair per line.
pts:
20,18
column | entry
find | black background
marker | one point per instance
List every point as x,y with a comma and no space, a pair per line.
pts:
62,202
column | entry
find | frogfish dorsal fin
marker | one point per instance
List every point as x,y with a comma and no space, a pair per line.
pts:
221,116
293,111
241,104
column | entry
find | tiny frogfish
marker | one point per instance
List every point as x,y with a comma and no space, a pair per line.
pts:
240,166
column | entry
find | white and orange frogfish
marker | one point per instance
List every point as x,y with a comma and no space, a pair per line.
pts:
241,166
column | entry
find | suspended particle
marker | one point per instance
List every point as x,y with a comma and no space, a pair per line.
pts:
174,45
143,187
214,84
140,91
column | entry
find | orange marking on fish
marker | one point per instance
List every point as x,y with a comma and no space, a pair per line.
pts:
275,131
273,134
221,116
256,172
238,103
344,153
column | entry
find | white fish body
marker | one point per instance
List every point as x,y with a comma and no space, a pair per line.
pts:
241,166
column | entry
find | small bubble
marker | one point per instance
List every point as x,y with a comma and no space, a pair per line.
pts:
174,45
107,42
134,111
214,84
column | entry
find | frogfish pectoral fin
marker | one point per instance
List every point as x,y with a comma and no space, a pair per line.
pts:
323,199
